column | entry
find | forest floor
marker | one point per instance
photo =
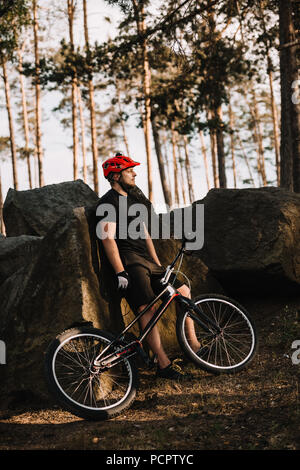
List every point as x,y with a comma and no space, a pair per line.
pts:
258,408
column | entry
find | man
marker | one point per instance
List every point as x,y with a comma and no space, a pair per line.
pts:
135,261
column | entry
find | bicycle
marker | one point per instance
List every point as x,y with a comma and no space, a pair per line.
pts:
93,374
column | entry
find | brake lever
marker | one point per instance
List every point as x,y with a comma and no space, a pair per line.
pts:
167,275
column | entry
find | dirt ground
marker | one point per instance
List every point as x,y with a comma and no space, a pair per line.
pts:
256,409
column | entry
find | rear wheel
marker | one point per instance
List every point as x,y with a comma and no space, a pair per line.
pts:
87,393
228,351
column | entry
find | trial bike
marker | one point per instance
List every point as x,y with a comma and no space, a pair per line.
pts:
94,375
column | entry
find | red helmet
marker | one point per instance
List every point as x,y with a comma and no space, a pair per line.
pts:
117,164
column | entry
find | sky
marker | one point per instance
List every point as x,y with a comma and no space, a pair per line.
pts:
56,141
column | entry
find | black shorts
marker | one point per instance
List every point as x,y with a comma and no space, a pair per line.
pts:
144,284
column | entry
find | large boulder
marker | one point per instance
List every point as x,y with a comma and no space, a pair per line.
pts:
44,297
252,239
33,212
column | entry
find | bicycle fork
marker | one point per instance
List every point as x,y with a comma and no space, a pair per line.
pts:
210,326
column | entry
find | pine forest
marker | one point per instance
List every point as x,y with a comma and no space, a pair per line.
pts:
210,89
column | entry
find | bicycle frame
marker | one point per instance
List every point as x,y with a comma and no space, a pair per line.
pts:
168,294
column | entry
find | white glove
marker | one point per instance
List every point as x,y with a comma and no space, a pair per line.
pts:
123,280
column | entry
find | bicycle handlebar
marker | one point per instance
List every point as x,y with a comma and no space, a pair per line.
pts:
170,267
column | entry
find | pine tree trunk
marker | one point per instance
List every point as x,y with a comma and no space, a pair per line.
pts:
166,160
91,106
217,107
213,149
10,125
203,150
255,139
287,75
147,81
82,125
296,142
2,227
38,142
121,120
220,149
36,168
71,9
181,174
290,104
213,146
188,170
139,14
256,134
161,166
175,167
231,124
25,118
275,128
259,138
94,136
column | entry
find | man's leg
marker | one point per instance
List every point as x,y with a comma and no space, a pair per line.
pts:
153,338
190,327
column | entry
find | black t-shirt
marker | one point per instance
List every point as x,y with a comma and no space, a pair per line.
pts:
130,235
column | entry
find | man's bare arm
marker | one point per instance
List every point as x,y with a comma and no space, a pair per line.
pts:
108,230
150,247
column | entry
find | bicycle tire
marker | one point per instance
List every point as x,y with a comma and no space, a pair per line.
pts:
72,383
232,349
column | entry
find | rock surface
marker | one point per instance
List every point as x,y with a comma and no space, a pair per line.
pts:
33,212
252,239
17,252
44,297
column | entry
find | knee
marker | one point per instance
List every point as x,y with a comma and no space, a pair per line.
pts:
185,291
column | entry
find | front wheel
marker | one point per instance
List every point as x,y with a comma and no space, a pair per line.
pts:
71,378
228,350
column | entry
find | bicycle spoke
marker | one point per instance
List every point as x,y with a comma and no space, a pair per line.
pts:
234,341
73,369
71,358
